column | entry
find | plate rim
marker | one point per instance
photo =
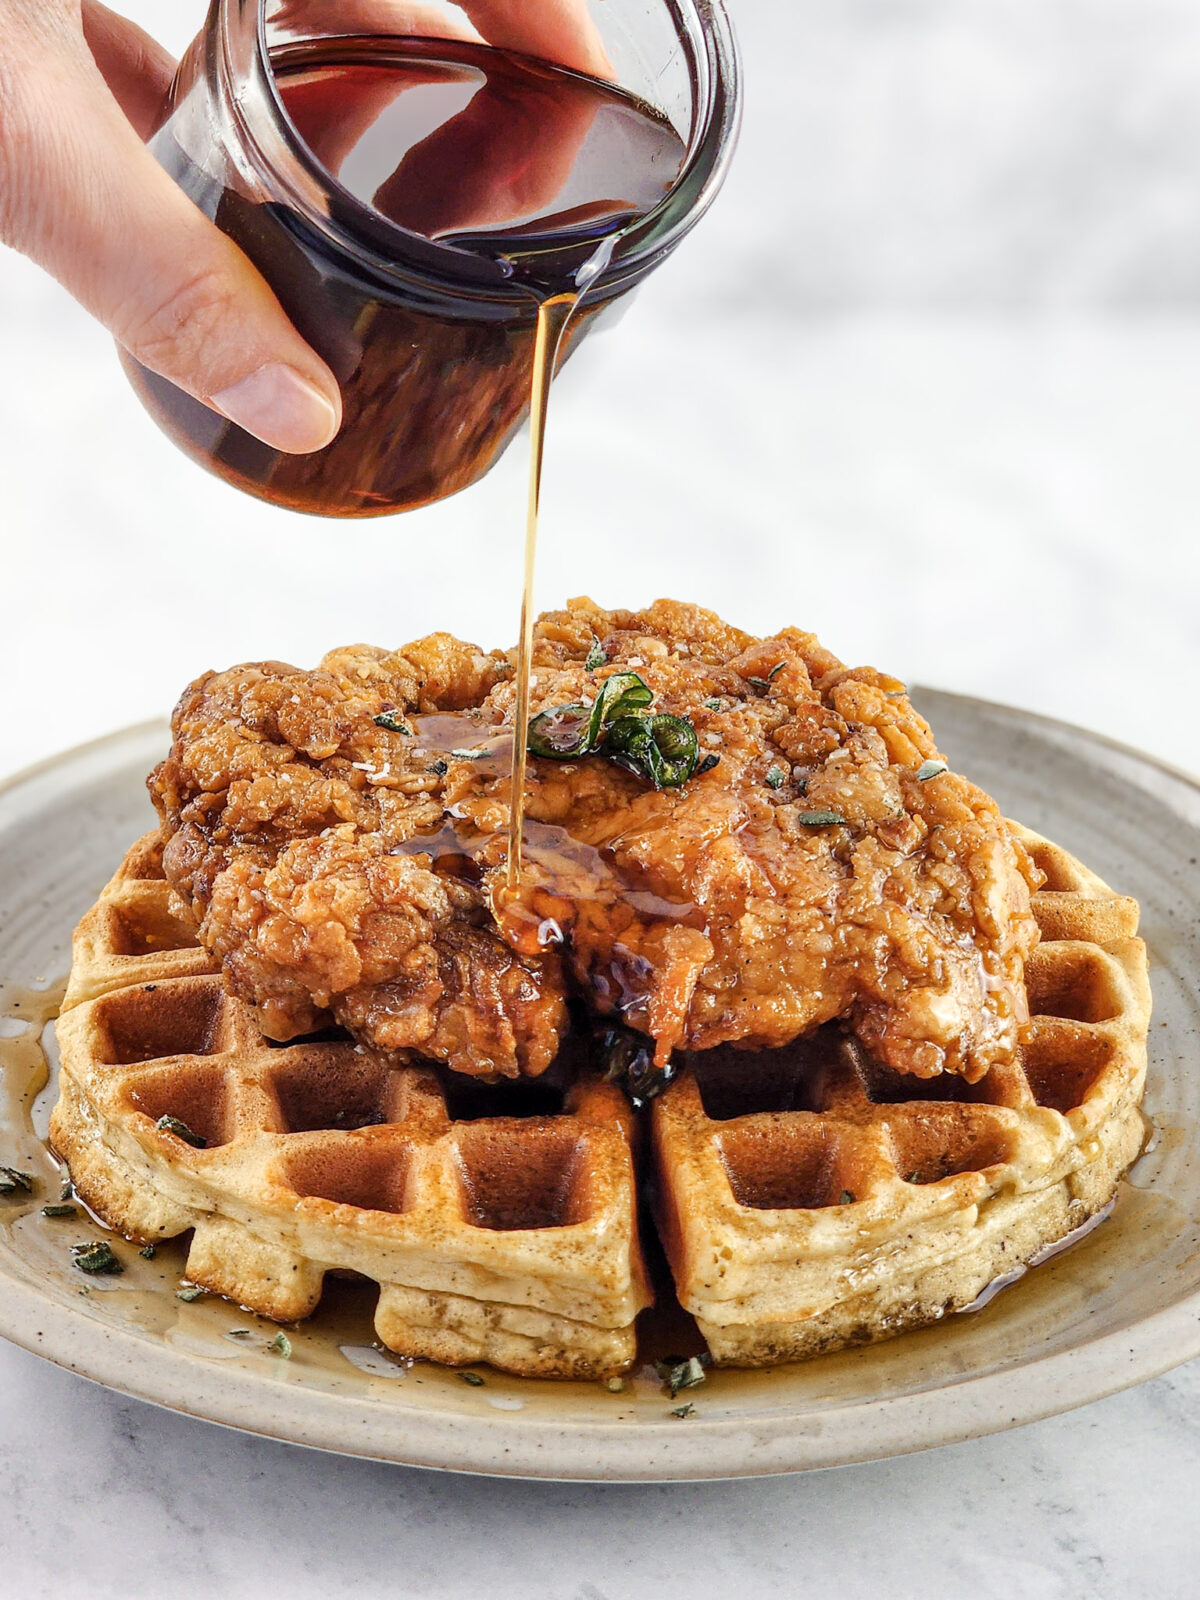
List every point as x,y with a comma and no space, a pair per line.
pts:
500,1444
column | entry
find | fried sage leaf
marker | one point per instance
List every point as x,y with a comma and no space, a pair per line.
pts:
96,1257
11,1180
931,769
680,1372
662,749
181,1130
622,695
559,735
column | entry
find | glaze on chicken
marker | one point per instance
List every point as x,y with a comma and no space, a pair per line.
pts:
339,837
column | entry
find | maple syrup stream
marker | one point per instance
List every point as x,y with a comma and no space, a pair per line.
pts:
553,316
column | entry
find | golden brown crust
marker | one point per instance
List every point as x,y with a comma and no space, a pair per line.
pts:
822,869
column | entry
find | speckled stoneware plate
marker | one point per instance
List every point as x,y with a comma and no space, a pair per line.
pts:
1120,1307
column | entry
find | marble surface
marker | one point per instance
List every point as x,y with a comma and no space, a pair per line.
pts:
937,400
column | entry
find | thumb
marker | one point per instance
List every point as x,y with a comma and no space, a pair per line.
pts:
82,196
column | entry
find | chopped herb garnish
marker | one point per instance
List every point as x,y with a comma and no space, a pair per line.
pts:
148,1252
473,1378
239,1333
707,765
778,667
189,1292
847,1198
662,749
60,1210
439,768
714,705
181,1131
596,657
11,1180
281,1345
684,1411
931,769
392,721
96,1257
680,1372
761,684
628,1059
775,777
821,819
470,755
913,1177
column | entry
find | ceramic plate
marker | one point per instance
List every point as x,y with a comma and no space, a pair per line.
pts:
1120,1307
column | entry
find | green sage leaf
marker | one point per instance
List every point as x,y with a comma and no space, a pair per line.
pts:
931,769
96,1257
181,1130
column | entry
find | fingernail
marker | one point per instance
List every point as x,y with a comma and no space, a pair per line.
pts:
280,407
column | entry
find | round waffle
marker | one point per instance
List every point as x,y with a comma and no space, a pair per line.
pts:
807,1197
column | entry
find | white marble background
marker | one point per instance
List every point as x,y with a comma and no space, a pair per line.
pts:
927,381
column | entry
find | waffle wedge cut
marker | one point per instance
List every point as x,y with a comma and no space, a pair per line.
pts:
510,1239
810,1199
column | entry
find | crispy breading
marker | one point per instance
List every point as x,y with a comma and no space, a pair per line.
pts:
337,865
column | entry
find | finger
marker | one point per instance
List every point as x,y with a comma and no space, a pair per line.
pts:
84,197
335,18
136,68
561,31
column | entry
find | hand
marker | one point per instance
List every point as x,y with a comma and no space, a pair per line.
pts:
81,194
80,88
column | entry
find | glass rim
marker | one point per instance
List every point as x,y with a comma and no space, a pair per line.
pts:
410,260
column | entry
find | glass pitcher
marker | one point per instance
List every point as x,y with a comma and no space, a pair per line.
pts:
430,335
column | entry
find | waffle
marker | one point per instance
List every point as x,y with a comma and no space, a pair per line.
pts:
134,934
813,1199
501,1238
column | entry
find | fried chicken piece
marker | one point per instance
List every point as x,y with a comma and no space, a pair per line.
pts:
738,909
337,864
287,807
